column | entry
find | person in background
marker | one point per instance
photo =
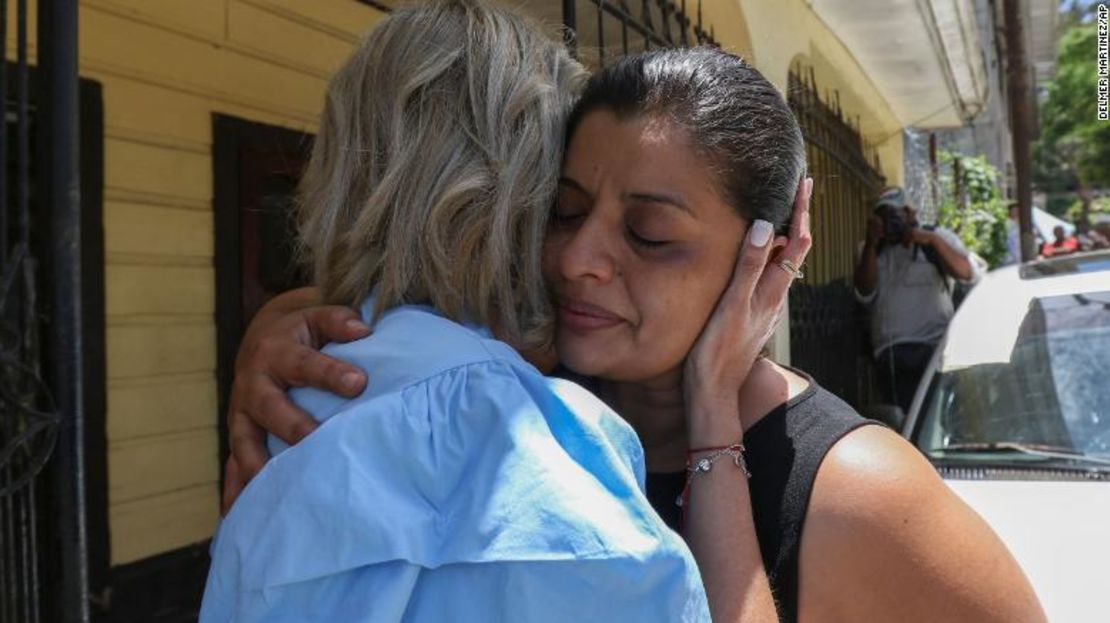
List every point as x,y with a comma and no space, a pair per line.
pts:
904,275
1062,243
1089,239
1013,237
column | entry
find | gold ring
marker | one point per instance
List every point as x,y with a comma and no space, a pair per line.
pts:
792,269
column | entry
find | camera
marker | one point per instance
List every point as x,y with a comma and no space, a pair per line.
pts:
894,226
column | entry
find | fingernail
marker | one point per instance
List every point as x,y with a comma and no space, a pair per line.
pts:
760,233
357,325
351,380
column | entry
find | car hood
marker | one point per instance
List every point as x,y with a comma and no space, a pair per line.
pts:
1059,532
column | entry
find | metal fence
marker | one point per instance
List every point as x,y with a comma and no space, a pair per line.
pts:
827,327
27,421
41,518
610,28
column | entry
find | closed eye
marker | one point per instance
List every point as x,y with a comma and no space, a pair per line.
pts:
645,242
560,219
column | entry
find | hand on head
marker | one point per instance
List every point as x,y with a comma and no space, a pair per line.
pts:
749,310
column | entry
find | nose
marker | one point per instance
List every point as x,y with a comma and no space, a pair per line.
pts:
587,251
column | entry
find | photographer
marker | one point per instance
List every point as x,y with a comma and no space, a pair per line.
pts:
904,275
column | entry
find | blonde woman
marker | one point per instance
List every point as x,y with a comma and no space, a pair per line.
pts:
463,485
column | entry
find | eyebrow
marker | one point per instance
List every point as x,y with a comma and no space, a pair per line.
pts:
647,197
661,198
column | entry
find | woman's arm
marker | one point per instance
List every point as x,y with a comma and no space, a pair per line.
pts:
280,349
887,540
719,523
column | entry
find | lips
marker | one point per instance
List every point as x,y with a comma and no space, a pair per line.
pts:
583,317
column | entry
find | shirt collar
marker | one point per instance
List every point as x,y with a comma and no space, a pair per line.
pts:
366,311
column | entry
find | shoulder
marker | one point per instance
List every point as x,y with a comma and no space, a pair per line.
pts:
880,516
868,475
412,344
817,412
592,414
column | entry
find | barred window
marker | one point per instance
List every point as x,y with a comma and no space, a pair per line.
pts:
601,30
598,31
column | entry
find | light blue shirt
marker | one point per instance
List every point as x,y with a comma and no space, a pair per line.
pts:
462,485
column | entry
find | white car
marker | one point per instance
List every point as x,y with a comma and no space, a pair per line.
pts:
1014,412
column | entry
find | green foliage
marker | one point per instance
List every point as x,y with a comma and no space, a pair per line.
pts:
1074,147
1058,204
978,213
1074,211
1098,206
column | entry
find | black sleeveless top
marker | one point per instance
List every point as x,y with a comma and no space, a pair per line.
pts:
784,450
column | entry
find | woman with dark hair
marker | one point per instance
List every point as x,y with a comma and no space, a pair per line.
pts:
673,159
464,485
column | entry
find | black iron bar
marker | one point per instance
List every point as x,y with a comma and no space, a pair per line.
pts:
570,26
23,127
684,24
624,35
377,4
26,551
34,570
641,27
664,13
4,133
8,568
27,320
601,4
10,571
57,116
698,30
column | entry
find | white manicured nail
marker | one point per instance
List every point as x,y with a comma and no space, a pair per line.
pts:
761,232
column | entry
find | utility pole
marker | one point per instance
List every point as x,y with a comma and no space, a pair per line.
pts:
1017,79
934,172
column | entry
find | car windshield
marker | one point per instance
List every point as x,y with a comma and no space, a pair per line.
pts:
1049,402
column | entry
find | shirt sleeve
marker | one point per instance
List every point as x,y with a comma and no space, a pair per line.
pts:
979,267
951,239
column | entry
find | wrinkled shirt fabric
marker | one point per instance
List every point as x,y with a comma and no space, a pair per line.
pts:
462,485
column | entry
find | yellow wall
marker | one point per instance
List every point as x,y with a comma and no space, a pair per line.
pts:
729,26
165,67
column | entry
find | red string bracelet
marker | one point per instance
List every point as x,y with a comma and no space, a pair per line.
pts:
692,451
704,465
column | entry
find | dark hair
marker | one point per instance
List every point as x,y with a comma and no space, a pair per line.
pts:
736,119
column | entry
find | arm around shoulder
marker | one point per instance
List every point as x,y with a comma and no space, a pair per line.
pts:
887,540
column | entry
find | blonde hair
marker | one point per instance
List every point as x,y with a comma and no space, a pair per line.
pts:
435,165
